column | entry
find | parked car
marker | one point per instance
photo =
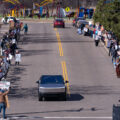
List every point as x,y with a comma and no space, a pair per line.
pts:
76,19
8,19
71,14
59,22
79,22
51,86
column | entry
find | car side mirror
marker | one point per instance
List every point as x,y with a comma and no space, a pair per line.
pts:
66,82
37,82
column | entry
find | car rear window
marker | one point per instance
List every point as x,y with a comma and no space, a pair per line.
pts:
11,17
58,20
52,80
80,19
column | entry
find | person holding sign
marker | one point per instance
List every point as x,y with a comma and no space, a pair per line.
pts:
3,101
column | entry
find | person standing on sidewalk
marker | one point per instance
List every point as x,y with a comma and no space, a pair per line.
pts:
25,28
110,47
99,34
17,58
3,101
114,55
96,40
9,58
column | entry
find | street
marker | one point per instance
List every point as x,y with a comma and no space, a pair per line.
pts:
93,86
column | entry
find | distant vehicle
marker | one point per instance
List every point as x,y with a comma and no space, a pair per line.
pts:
76,19
51,86
71,14
59,23
8,19
79,22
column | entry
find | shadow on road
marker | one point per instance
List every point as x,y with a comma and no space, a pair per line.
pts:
35,52
17,92
46,38
56,111
23,93
94,90
72,97
75,97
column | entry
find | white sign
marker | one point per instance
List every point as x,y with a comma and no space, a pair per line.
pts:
4,85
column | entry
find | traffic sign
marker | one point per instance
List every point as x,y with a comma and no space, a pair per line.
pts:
67,9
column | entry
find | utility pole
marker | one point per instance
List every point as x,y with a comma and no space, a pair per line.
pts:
78,3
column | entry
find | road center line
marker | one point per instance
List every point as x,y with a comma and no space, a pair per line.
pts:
59,43
65,75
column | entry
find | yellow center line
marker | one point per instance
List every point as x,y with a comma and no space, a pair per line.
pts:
59,44
65,75
66,71
63,63
63,71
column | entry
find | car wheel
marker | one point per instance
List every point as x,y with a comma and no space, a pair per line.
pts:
40,98
43,98
64,97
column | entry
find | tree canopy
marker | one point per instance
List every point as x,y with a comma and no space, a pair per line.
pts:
108,15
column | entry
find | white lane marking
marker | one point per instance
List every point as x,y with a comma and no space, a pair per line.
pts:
78,117
93,118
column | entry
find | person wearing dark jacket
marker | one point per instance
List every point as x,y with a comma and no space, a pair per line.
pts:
114,54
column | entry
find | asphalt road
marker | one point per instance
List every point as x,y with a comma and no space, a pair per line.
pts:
93,85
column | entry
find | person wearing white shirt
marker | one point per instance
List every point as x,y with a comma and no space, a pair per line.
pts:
13,41
9,58
17,58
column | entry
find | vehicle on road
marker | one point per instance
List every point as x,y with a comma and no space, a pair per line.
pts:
59,22
79,22
8,19
74,23
71,14
51,86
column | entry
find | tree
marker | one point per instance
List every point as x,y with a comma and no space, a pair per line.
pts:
108,14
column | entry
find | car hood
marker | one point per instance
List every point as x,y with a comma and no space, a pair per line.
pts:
52,86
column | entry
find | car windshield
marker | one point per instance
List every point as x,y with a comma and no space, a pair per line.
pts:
80,19
52,80
10,17
58,20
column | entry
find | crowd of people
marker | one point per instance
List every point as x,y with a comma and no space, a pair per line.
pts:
98,33
9,49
